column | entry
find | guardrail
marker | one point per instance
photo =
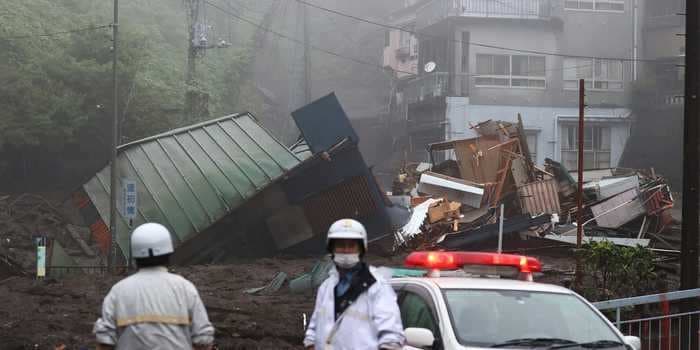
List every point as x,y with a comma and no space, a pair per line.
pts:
665,331
60,271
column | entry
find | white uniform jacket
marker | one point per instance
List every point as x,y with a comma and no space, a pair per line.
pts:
372,321
154,309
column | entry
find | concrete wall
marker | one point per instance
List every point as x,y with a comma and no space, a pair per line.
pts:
576,32
545,121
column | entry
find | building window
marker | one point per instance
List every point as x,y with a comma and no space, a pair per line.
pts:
465,52
598,74
510,71
531,139
595,5
596,146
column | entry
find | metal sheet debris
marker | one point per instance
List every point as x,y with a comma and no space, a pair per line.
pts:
272,287
609,187
511,225
540,197
629,242
413,227
456,190
618,210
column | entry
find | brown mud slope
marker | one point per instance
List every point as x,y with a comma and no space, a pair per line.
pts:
45,314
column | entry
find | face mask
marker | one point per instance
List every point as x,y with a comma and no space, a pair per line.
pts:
346,261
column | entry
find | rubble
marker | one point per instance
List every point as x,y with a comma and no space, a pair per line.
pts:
27,217
626,206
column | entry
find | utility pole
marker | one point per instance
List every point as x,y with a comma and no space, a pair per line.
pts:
689,238
307,58
299,82
115,140
579,193
190,83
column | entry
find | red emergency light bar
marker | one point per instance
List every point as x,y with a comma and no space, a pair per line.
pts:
457,260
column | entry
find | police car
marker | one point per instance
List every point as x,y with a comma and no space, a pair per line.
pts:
458,304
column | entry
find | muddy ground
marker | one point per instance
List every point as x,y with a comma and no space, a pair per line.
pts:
45,314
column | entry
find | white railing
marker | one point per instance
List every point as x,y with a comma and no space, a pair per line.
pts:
666,331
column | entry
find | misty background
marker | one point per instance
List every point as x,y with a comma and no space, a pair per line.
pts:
56,95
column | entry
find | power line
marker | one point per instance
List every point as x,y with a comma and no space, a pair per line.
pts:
359,61
472,43
353,59
301,42
56,33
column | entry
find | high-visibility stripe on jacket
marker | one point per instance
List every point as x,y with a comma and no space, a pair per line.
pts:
153,309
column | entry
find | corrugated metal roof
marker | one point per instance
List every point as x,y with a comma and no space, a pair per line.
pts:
540,197
189,178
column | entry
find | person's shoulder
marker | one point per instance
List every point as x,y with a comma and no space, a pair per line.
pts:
179,279
380,274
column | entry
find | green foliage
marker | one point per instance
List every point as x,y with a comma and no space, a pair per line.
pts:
51,87
613,271
56,91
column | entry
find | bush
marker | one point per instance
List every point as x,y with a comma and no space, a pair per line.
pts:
612,271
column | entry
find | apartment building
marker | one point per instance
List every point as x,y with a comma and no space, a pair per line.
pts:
495,59
658,100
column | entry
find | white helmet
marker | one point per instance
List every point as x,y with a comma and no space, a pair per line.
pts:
149,240
347,229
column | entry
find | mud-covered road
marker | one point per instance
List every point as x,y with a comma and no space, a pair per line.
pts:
46,314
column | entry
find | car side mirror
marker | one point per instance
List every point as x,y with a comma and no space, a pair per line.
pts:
419,337
634,342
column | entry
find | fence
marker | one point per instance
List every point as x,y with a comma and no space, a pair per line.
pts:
99,270
668,329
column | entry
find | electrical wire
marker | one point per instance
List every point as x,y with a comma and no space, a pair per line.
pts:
353,59
473,43
300,42
56,33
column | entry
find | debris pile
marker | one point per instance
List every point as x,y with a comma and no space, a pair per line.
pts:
456,202
27,217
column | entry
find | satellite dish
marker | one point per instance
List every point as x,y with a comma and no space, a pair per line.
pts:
430,66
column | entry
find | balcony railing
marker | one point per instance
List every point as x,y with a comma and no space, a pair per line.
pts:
434,85
438,10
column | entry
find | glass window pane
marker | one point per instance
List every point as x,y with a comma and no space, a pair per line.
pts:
609,6
483,64
571,84
520,65
570,69
415,312
615,85
614,70
571,4
589,160
501,65
585,4
521,82
584,69
605,139
603,160
537,66
588,137
600,69
537,83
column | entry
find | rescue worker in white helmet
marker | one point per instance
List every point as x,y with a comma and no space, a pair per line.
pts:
355,307
153,309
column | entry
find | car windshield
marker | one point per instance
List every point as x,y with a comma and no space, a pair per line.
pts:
489,317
